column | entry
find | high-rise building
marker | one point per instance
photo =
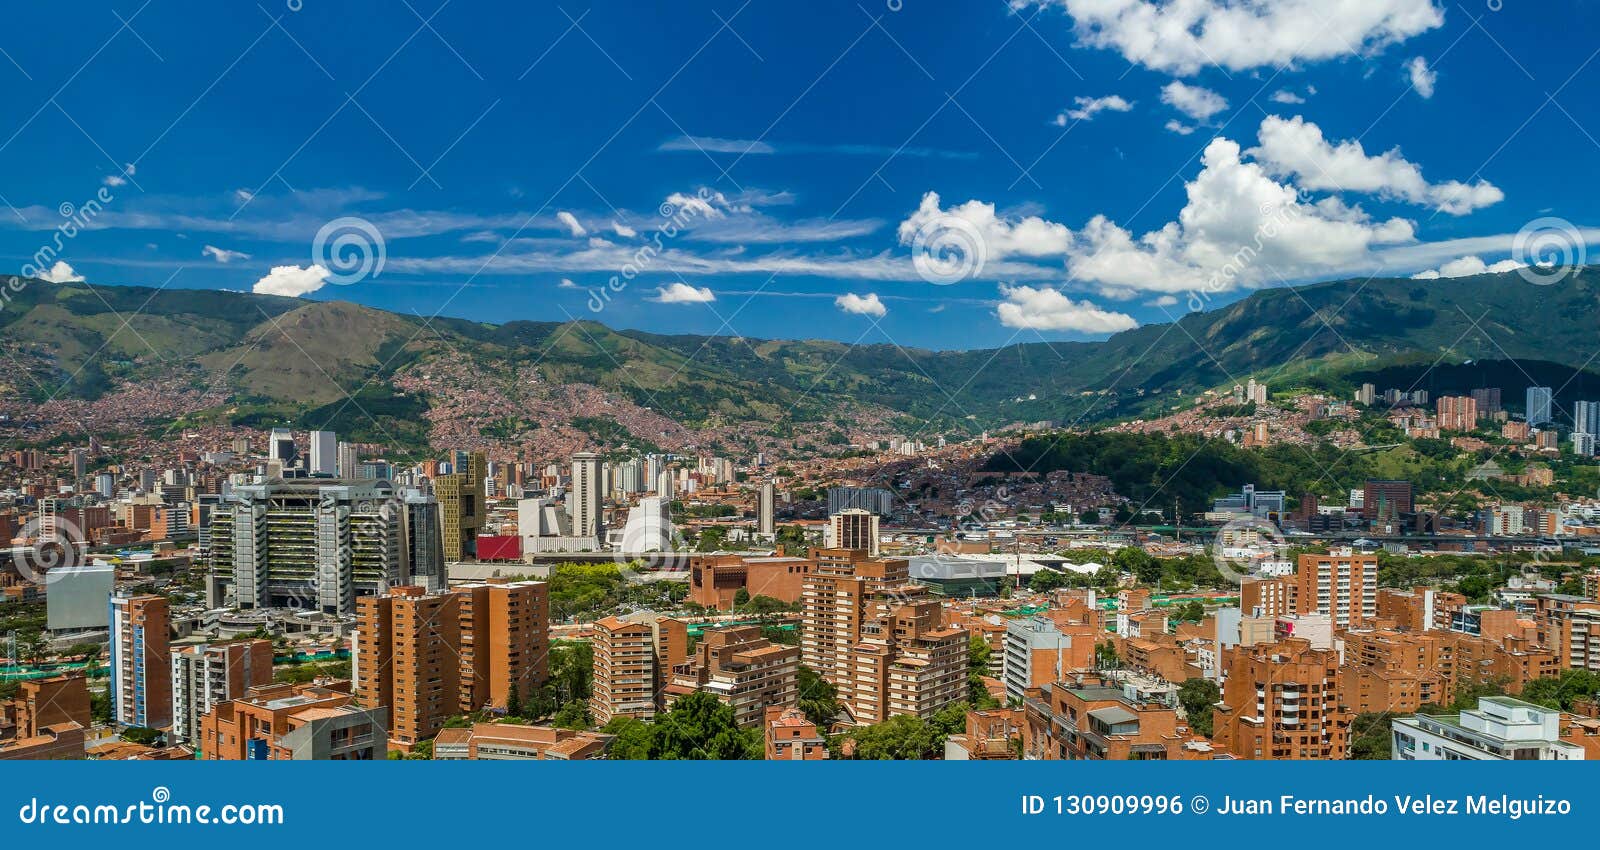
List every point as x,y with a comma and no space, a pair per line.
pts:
206,675
1538,406
461,505
280,447
877,638
766,499
743,670
1457,413
853,528
874,499
1488,399
306,543
1366,395
584,497
141,661
427,657
348,461
324,454
633,658
1342,585
1586,417
1282,701
1383,499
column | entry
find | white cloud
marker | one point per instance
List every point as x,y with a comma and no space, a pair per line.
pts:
1286,96
1194,101
1469,266
566,283
1240,228
1176,126
244,196
60,273
1183,37
570,222
1295,147
223,255
1085,108
1046,309
683,293
1020,236
1422,77
748,147
623,230
128,170
862,305
712,144
1163,301
291,281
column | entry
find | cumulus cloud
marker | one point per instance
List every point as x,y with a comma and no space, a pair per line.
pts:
862,305
1163,301
1469,266
1295,147
1286,96
1183,37
570,222
223,255
1045,309
1013,236
566,283
1422,77
1175,126
60,273
1086,108
623,230
1196,102
683,293
291,281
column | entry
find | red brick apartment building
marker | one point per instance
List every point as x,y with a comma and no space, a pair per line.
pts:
518,742
46,720
1092,718
791,737
743,670
284,722
714,580
633,659
1282,701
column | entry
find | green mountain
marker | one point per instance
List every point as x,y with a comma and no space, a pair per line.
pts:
232,358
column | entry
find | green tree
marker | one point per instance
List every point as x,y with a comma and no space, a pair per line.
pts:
141,735
513,702
573,715
978,654
1560,691
1369,736
1045,581
741,598
1197,696
819,699
1132,559
900,738
701,728
634,738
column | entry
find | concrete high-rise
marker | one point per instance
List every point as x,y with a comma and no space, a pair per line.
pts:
206,675
766,506
852,529
461,505
324,454
1538,405
584,497
306,543
141,661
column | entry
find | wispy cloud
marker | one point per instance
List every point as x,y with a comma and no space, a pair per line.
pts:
756,147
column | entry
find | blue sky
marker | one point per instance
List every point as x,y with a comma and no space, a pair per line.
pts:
516,160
